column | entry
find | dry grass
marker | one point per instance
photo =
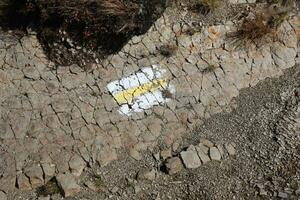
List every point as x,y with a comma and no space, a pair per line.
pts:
259,25
206,6
167,50
50,188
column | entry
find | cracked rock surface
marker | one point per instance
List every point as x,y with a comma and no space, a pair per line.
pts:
57,120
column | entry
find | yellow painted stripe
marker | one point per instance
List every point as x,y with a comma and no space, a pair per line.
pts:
127,95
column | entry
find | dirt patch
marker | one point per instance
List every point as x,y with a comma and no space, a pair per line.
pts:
81,31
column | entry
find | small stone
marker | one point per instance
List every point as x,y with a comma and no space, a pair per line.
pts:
3,196
146,174
282,195
214,153
262,192
68,184
114,189
166,153
173,165
206,142
91,185
202,155
230,149
135,154
190,159
297,192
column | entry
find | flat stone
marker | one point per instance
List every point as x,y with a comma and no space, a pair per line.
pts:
202,155
77,165
230,149
206,142
173,165
35,174
190,159
49,171
135,154
68,184
203,148
214,153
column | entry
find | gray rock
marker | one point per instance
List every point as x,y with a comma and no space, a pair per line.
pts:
214,153
173,165
68,184
190,159
297,192
3,196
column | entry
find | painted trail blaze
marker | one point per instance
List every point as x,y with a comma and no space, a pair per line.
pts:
141,90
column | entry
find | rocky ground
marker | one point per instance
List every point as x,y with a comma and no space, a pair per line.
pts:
167,117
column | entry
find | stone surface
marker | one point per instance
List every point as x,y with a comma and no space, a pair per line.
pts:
68,184
173,165
190,159
214,153
49,113
3,196
77,165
